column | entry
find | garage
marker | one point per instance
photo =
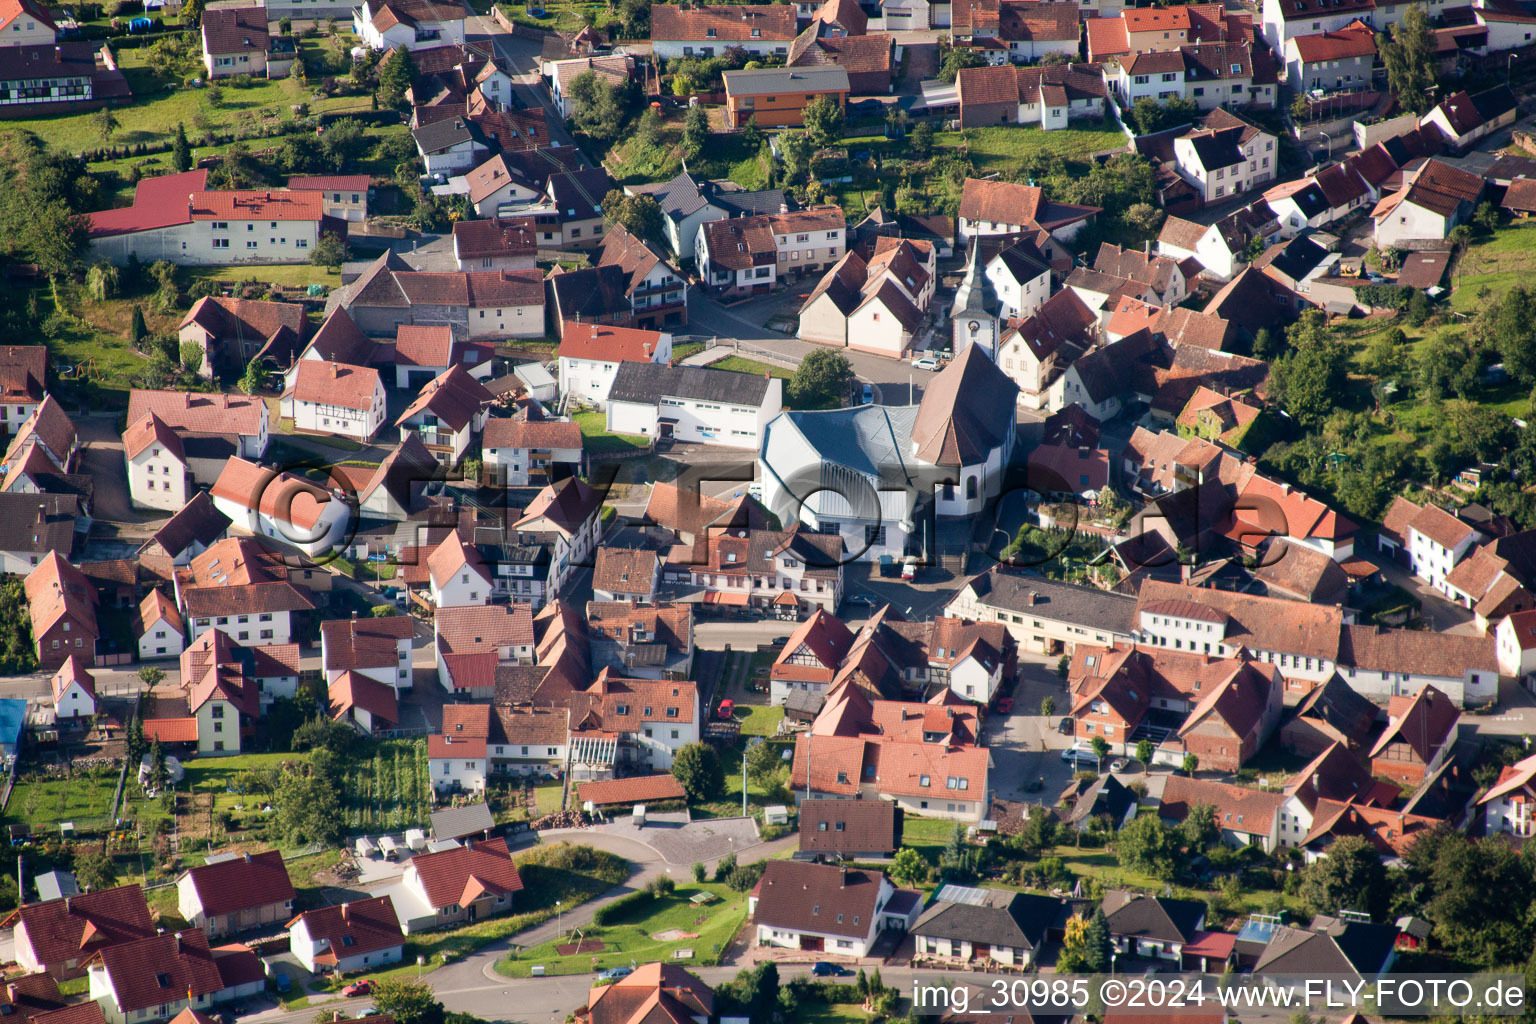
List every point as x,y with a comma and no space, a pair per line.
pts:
812,943
415,380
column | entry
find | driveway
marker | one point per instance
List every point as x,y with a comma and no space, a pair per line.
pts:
1025,745
102,460
679,841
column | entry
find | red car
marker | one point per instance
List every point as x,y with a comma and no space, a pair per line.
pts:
358,988
1005,705
726,711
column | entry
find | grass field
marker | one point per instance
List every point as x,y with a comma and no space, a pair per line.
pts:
741,364
928,836
759,720
596,436
633,937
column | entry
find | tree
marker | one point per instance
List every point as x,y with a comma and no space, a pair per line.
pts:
409,1002
763,764
95,870
920,142
1146,844
600,108
641,215
1439,356
958,59
1386,356
1148,116
330,251
635,17
191,12
1199,828
1100,749
1083,951
307,806
695,133
1047,705
1266,345
252,379
105,122
150,676
1191,763
1350,877
102,281
1307,380
54,238
343,142
396,74
157,769
824,119
698,771
796,149
1511,327
821,381
301,154
181,150
752,135
1144,751
908,866
1409,59
1143,217
191,358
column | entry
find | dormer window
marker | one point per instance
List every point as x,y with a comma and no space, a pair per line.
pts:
622,709
842,777
710,33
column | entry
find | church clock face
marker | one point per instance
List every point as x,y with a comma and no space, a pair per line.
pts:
974,325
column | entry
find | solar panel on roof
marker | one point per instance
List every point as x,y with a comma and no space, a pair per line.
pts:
962,894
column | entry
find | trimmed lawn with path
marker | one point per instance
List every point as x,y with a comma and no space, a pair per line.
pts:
655,931
598,438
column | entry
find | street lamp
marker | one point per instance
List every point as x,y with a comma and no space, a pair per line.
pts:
421,962
1329,140
1509,69
559,919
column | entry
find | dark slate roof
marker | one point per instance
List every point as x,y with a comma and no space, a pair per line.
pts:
1157,918
1299,257
1310,200
1105,795
1018,920
591,293
198,521
848,826
578,195
1328,945
770,200
458,822
1063,602
646,382
1494,102
38,523
441,135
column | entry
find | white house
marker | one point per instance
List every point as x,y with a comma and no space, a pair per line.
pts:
447,414
590,354
119,972
525,451
876,305
1004,208
158,473
176,217
692,403
1020,276
1431,202
451,146
765,30
1331,61
379,648
215,592
355,936
160,628
823,908
413,24
1464,119
748,254
457,575
238,893
1221,248
1437,542
1509,806
282,506
1516,638
74,691
242,418
25,23
236,41
334,398
1225,156
568,512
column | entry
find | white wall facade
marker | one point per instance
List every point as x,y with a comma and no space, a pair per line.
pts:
157,479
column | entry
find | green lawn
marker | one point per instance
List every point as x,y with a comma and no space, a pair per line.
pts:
742,364
565,872
548,797
43,802
1002,147
759,720
928,836
597,438
633,938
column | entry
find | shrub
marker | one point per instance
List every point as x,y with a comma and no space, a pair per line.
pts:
743,878
619,908
725,866
660,886
700,872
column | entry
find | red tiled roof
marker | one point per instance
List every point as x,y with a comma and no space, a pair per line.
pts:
157,203
726,24
352,929
171,730
279,495
161,969
1354,40
639,790
248,881
200,413
444,876
365,643
453,397
69,928
607,343
323,383
818,898
424,345
351,690
330,183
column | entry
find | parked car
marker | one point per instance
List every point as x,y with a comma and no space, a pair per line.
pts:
925,363
615,973
868,396
367,1011
282,981
823,969
726,710
909,570
357,988
1005,705
1119,764
1065,728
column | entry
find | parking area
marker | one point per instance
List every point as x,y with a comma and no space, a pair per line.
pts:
680,841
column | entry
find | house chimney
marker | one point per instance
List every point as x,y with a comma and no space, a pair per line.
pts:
42,512
344,917
178,943
58,55
186,399
842,879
